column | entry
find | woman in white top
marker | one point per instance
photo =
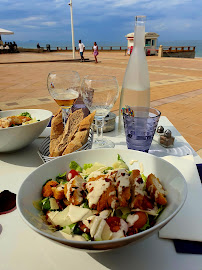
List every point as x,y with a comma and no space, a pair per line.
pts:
95,51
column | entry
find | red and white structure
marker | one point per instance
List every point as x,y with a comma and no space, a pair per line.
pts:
150,42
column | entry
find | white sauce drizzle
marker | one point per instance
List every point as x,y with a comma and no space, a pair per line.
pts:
133,161
152,212
113,204
59,188
131,219
96,173
122,178
98,187
112,193
141,167
120,233
139,188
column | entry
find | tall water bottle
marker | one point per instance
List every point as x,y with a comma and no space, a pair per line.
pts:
136,85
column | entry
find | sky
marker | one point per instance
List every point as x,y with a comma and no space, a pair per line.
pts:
104,21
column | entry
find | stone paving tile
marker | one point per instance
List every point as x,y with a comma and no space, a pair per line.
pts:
195,129
192,139
199,152
199,135
12,104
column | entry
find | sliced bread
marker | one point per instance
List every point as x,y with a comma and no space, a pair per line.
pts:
81,136
71,128
56,130
78,141
87,122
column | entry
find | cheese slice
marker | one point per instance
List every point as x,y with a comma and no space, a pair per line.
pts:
60,218
77,213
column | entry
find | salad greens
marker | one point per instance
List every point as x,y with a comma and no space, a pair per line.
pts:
87,166
120,164
61,178
75,166
26,114
45,204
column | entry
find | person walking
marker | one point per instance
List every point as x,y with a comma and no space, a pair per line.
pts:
81,50
95,51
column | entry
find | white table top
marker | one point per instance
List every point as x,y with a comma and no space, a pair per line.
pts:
21,248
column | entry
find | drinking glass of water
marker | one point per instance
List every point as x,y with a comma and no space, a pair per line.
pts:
99,94
140,124
64,87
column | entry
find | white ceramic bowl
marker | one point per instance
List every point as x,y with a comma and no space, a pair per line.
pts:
15,138
30,191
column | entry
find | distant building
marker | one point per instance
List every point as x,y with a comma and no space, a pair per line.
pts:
150,42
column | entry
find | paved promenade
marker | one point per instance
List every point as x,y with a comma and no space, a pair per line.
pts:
176,84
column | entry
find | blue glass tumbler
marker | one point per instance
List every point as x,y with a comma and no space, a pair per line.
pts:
140,128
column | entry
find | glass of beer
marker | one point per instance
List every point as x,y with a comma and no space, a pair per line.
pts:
64,87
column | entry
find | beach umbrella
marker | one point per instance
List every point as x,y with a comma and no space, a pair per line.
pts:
5,32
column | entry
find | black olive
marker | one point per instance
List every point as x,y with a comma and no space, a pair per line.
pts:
160,129
167,133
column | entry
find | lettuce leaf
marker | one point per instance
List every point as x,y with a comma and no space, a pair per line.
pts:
120,164
144,178
61,178
87,165
26,114
73,165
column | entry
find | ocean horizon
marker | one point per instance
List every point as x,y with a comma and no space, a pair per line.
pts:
31,44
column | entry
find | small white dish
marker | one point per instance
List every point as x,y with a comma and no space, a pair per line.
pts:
15,138
30,191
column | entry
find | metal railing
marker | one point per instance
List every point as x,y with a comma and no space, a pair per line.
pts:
179,48
89,48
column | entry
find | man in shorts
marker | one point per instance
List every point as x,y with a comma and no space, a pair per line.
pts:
81,50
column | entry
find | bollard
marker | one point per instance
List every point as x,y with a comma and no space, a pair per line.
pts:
160,52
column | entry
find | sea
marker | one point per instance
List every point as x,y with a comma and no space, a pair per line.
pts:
106,45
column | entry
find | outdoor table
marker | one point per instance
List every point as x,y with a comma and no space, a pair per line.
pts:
22,248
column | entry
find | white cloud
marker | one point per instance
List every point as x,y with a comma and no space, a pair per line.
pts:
49,23
31,26
32,18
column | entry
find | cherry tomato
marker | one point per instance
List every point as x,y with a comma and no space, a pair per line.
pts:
114,223
142,220
71,174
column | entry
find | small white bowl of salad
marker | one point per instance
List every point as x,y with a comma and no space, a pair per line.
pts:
20,127
97,200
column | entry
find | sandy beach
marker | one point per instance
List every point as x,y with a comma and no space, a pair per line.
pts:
176,84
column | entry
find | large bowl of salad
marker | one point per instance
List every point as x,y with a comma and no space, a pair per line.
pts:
101,199
20,127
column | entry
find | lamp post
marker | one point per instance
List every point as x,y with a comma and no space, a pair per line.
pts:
72,26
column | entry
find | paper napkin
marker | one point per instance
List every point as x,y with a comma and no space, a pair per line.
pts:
187,224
